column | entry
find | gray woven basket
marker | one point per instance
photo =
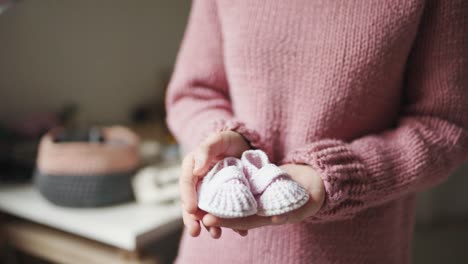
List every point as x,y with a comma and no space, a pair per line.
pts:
85,191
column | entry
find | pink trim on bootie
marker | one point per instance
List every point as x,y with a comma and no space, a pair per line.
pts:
118,153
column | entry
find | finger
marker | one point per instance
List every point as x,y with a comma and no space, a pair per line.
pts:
204,226
280,219
198,215
193,226
242,233
237,231
244,223
187,185
215,232
208,153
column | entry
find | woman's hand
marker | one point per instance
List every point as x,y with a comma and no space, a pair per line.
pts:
195,166
307,177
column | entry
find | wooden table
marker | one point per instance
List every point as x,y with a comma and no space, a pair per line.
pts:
115,234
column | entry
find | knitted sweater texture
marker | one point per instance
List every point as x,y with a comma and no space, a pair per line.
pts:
373,94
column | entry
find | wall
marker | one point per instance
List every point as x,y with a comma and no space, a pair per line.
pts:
105,55
446,202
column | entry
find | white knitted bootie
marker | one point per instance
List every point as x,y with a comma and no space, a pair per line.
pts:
225,191
276,193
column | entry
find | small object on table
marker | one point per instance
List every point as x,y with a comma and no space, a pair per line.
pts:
157,184
150,151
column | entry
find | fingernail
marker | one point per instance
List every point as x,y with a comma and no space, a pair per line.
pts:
191,227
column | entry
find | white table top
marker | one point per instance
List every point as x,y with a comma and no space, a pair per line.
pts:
127,226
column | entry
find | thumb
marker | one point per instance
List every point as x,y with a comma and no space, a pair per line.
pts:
208,153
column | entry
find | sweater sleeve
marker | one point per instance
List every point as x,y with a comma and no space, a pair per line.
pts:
431,138
197,100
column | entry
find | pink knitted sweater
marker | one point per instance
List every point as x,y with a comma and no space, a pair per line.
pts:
372,94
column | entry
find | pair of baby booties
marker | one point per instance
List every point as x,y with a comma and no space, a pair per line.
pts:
251,185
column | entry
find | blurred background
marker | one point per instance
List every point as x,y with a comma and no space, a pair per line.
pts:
107,56
88,66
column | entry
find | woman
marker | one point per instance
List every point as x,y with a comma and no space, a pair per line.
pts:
363,103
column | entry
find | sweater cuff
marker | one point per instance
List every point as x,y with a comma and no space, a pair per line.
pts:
251,136
342,172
